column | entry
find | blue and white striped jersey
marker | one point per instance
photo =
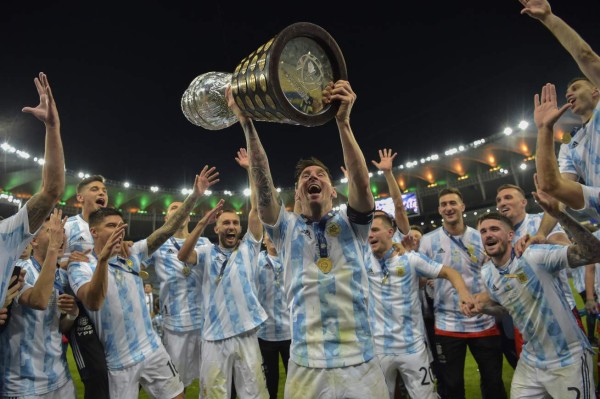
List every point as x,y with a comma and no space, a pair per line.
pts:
272,297
78,235
180,297
582,155
329,316
529,289
394,305
32,361
530,225
14,237
466,258
231,306
123,323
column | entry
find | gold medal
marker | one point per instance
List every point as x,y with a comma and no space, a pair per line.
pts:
333,229
144,274
400,271
325,265
566,138
186,271
385,279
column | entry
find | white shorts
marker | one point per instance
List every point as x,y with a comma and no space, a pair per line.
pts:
415,371
573,381
67,391
364,380
239,357
156,373
184,348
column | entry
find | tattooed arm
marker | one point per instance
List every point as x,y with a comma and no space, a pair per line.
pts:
53,173
204,180
261,182
586,247
360,197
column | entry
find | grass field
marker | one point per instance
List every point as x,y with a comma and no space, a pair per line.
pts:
471,375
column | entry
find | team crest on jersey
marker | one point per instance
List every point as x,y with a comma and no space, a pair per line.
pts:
333,229
400,271
522,277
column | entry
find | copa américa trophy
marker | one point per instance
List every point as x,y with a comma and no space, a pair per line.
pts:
281,81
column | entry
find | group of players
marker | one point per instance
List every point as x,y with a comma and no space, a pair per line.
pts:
336,293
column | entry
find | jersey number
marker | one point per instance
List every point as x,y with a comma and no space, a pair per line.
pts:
172,368
426,373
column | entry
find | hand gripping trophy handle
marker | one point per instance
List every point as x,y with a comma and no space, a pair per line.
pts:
282,81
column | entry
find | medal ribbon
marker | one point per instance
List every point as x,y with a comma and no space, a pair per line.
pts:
227,256
119,266
57,281
460,244
384,268
319,228
175,244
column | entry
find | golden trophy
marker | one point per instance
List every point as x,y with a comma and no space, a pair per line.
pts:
281,81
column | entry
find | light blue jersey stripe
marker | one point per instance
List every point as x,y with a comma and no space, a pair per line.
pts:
530,290
14,237
329,315
32,360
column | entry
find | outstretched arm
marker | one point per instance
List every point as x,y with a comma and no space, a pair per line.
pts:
204,180
385,165
268,202
549,179
582,53
360,197
53,173
466,299
187,253
254,225
586,248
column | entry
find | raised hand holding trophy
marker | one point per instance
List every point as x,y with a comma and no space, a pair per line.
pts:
282,81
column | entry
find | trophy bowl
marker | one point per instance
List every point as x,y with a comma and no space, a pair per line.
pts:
281,81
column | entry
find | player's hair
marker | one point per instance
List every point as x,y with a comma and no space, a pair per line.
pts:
88,180
450,190
506,186
312,161
495,216
100,214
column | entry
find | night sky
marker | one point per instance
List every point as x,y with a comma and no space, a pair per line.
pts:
428,77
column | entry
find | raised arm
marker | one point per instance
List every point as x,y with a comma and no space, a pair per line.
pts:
549,179
39,295
187,253
254,225
586,247
53,173
385,165
582,53
268,202
360,197
204,180
92,294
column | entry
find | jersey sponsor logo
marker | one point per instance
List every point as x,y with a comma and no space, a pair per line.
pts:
170,251
81,238
307,233
575,144
494,287
441,251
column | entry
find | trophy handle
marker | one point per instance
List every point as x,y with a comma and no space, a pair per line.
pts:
204,103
